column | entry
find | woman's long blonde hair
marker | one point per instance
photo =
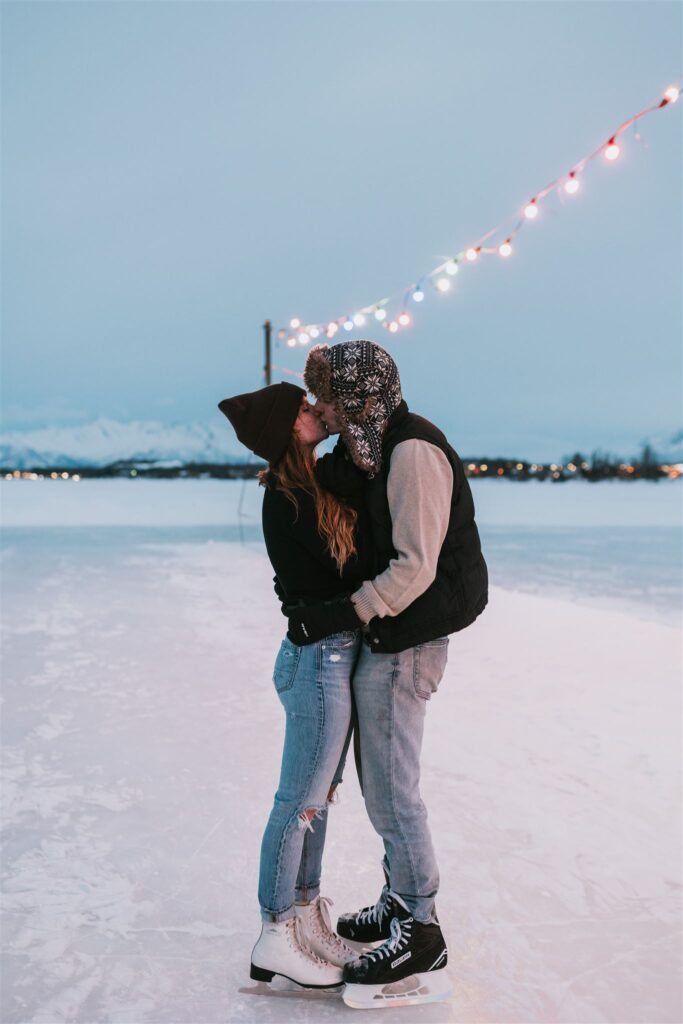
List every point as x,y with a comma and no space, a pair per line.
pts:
336,521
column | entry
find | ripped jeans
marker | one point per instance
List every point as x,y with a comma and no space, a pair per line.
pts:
314,687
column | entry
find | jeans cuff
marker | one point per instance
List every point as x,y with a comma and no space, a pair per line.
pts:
307,894
275,917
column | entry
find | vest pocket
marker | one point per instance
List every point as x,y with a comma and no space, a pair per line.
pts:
429,663
286,664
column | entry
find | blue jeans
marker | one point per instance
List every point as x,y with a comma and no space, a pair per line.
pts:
314,687
391,693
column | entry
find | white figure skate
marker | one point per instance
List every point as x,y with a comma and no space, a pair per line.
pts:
318,934
281,949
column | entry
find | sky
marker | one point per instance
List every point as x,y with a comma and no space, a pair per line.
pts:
176,173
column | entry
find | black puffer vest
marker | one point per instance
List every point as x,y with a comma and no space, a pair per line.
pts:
459,592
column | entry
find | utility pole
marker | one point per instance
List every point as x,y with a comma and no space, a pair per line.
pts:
266,367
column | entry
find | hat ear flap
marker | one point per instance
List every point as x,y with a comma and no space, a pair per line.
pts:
368,407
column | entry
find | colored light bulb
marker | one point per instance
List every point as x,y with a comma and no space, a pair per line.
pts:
612,150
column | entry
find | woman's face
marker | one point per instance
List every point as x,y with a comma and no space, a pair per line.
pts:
308,427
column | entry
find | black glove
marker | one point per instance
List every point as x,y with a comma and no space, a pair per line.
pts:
312,622
281,596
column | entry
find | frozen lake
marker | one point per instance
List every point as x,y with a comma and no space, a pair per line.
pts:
141,739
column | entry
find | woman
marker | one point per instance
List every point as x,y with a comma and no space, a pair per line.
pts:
317,546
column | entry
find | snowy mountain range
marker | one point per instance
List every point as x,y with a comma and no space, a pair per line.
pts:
105,441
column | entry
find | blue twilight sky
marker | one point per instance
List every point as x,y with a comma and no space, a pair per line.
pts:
174,173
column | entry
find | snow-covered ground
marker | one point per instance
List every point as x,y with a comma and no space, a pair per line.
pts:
141,740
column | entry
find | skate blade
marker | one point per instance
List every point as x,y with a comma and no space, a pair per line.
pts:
429,987
284,988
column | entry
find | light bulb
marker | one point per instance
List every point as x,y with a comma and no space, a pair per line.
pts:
404,319
472,254
294,323
304,338
672,94
572,184
281,333
505,249
348,325
291,342
418,295
531,210
612,151
359,319
314,332
452,267
393,327
380,313
443,284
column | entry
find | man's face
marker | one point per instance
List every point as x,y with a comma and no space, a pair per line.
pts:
327,413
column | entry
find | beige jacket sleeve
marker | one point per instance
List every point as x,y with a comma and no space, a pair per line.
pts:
419,490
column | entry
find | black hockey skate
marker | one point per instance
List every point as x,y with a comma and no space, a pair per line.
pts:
371,924
406,969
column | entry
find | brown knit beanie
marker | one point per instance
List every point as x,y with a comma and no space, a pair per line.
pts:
264,420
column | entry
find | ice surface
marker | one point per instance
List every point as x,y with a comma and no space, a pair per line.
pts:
141,741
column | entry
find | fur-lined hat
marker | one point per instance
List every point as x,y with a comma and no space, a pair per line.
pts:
361,381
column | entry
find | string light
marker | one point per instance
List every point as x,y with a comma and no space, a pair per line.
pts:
571,185
569,182
304,338
612,151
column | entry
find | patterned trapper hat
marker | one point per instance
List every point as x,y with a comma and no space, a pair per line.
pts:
361,381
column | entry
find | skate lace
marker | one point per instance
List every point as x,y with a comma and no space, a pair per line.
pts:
374,915
322,925
401,931
298,938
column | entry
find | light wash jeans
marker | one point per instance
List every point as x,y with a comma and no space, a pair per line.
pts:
314,687
391,693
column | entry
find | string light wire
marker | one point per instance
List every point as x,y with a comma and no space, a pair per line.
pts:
301,332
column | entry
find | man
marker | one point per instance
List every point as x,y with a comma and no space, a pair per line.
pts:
430,580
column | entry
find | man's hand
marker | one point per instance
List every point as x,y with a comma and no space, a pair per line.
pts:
309,623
